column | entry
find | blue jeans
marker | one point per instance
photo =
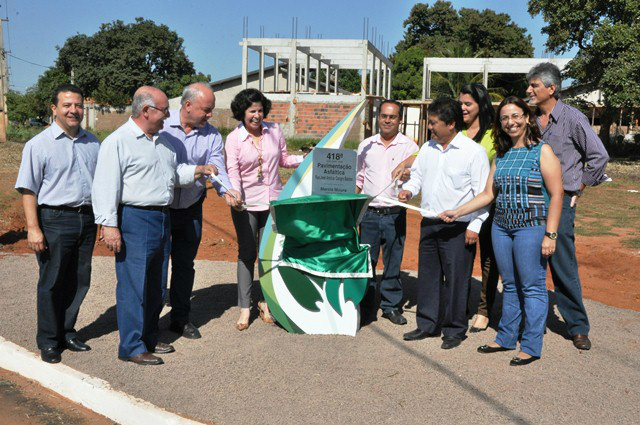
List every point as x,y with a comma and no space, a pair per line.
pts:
388,231
186,232
523,270
141,269
564,271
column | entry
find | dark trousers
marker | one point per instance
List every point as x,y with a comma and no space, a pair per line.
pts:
249,226
389,232
444,272
65,273
490,274
564,270
186,232
141,269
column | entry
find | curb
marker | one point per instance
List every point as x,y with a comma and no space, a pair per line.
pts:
93,393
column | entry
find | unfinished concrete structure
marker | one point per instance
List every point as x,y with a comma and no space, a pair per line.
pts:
310,107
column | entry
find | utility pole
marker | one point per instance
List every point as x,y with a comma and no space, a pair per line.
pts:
4,88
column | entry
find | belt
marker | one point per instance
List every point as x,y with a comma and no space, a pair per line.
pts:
162,208
386,210
82,209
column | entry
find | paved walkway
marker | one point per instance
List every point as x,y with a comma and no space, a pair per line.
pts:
266,375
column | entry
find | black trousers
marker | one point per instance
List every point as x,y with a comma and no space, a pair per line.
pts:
444,272
65,273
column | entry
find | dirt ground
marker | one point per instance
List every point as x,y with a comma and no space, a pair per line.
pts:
608,270
24,402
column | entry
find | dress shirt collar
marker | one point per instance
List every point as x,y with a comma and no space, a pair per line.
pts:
454,143
396,140
555,112
244,134
137,131
58,132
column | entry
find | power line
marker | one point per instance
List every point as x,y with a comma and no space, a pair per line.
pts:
29,62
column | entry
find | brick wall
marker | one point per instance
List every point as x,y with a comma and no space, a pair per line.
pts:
110,120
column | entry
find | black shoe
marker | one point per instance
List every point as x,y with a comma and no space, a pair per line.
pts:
487,349
50,355
517,361
74,344
187,330
449,342
163,348
417,334
474,330
395,317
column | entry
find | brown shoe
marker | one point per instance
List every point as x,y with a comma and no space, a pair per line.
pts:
144,359
582,342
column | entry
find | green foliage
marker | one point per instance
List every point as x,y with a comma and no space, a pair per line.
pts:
349,80
21,133
112,63
20,107
441,31
607,33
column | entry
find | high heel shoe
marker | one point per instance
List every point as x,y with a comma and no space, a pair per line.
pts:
264,313
242,326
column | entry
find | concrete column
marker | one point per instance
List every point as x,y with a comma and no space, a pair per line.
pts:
380,64
261,70
327,84
245,61
306,73
318,66
299,77
372,74
365,65
385,93
485,76
336,82
293,64
426,89
276,72
389,86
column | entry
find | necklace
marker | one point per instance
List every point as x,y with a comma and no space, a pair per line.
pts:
259,149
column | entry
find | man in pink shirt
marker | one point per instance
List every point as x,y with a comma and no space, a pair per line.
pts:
384,225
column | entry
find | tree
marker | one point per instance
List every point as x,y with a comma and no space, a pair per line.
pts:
21,107
607,33
438,29
112,63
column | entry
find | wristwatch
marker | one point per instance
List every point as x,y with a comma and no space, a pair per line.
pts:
551,235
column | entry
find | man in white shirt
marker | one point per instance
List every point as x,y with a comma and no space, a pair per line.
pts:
133,187
384,225
450,170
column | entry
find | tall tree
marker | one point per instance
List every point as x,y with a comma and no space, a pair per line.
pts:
607,33
110,64
437,29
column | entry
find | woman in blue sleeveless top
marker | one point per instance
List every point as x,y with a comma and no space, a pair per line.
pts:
526,182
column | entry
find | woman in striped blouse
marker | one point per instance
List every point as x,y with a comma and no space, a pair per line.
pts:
526,182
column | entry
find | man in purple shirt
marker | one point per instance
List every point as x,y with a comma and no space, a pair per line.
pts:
584,160
196,142
55,179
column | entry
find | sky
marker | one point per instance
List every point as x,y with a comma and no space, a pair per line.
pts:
212,29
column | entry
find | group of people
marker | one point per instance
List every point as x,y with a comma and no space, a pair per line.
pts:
508,178
145,185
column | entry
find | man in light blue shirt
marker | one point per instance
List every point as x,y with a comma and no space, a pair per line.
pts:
196,142
133,187
55,181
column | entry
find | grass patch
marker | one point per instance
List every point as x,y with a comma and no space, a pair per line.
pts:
610,206
633,243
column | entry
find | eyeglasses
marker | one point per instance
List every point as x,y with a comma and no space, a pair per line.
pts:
515,117
164,110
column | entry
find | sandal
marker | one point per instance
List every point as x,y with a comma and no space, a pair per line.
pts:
264,312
